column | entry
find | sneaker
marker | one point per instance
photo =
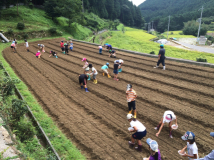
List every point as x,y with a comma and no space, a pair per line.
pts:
117,79
170,136
155,67
156,128
130,142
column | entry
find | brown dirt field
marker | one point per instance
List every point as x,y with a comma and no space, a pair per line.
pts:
96,121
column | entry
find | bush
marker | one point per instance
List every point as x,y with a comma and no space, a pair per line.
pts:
152,52
25,36
201,60
10,31
31,6
181,33
24,130
52,31
20,26
172,33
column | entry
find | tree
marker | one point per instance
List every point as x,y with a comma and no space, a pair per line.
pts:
52,8
191,28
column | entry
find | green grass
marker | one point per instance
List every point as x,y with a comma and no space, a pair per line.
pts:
63,146
138,40
176,34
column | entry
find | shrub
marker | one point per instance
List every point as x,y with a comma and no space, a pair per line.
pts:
31,6
152,52
171,32
24,130
25,36
19,108
10,31
20,26
52,31
181,33
201,60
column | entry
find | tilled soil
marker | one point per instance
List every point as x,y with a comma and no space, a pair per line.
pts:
96,121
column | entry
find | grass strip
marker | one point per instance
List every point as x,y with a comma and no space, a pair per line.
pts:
60,142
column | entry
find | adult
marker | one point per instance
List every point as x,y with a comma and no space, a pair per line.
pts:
210,156
131,96
83,81
161,57
139,129
155,152
168,117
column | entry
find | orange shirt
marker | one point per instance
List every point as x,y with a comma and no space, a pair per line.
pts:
131,95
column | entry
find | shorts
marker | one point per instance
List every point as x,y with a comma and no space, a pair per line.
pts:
139,135
94,76
115,71
105,70
63,49
82,80
11,46
37,56
131,105
71,48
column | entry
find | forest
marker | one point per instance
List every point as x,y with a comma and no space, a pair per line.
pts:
180,11
122,10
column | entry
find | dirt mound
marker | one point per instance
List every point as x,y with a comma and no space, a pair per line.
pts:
96,121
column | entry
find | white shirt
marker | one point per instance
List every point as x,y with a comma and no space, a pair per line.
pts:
192,149
94,71
120,61
164,116
100,47
139,125
26,44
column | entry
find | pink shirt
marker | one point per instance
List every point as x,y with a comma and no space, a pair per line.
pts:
13,44
38,53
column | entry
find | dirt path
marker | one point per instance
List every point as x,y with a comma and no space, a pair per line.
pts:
96,121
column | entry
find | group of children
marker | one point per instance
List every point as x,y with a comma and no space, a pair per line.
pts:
64,46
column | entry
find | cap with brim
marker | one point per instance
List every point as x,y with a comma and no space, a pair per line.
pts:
161,45
83,59
117,61
129,116
188,136
212,134
152,144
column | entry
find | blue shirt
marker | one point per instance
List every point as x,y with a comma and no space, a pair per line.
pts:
104,67
208,157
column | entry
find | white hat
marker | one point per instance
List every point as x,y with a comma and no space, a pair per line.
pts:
38,51
129,116
152,144
129,86
121,61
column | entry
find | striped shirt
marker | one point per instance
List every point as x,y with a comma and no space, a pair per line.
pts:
131,95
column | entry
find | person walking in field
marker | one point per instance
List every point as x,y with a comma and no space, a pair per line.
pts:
26,45
93,73
83,81
210,156
192,149
131,97
116,66
155,152
140,132
100,49
168,117
71,45
62,47
112,53
38,54
66,48
13,46
54,54
161,57
105,70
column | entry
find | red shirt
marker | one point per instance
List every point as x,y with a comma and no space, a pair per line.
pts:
62,44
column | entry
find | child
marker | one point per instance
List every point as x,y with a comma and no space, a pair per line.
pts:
13,46
38,54
71,45
112,53
131,96
41,47
62,47
53,54
85,63
27,45
192,149
105,69
14,41
155,152
66,48
140,132
109,47
83,81
116,65
120,64
100,49
94,73
168,117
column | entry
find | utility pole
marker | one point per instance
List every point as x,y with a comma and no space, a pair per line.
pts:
82,6
200,23
168,27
